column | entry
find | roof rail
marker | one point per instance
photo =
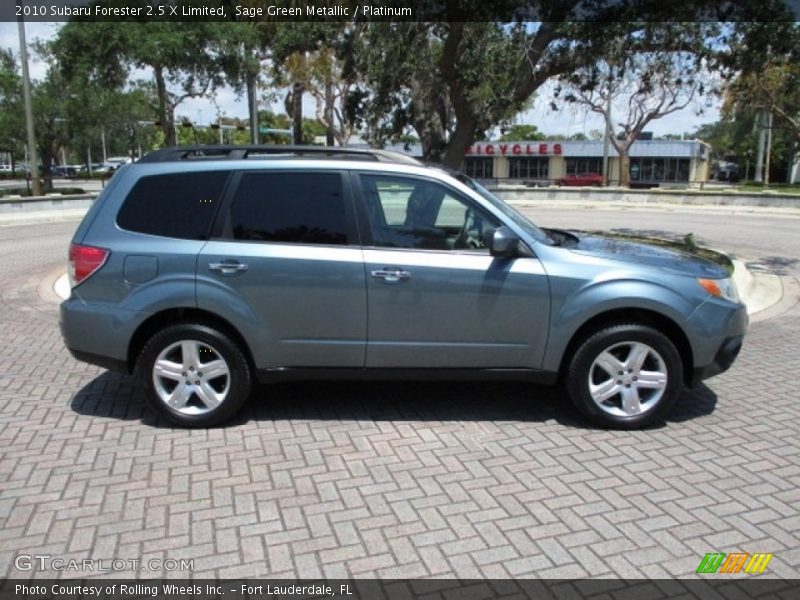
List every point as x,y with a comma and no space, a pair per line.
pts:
234,152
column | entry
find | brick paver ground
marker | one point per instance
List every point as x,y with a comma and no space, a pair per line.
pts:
386,479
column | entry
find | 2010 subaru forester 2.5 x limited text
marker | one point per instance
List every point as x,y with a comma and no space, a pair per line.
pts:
204,270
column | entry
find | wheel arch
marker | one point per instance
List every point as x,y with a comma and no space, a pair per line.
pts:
173,316
642,316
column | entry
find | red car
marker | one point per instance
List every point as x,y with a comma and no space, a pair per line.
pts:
581,179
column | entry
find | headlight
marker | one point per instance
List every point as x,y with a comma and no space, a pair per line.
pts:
721,288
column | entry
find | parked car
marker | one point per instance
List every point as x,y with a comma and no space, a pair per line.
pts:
204,270
64,171
581,179
115,162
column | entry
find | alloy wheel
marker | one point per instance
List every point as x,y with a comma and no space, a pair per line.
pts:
191,377
628,379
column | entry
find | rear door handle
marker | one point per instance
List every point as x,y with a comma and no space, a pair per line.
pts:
391,274
227,267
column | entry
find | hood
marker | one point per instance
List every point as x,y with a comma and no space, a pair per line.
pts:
643,254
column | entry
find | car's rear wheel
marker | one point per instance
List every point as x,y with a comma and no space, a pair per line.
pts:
194,375
625,376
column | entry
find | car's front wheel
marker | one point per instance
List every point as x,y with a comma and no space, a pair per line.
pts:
194,375
625,376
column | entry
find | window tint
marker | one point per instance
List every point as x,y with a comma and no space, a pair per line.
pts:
413,213
298,208
178,205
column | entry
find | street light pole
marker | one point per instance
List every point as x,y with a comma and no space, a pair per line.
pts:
33,159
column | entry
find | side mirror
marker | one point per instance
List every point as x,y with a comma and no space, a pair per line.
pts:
504,243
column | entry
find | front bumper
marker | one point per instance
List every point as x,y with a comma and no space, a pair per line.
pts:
717,330
723,359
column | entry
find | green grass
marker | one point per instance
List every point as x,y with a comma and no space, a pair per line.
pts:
781,188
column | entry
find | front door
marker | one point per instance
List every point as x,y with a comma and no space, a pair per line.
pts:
436,298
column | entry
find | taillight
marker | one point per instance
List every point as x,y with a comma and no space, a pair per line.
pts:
84,261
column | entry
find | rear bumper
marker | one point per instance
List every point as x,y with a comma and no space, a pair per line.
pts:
106,362
98,333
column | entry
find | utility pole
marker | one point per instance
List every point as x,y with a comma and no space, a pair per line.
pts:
252,99
769,148
33,158
607,140
758,178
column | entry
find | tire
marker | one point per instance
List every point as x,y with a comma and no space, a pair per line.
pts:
170,367
625,376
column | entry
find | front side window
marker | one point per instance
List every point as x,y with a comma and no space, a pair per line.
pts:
414,213
289,207
177,205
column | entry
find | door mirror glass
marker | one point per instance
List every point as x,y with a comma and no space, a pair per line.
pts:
504,243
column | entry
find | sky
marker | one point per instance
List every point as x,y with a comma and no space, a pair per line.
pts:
565,122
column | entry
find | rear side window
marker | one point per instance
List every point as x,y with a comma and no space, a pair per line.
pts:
180,205
290,207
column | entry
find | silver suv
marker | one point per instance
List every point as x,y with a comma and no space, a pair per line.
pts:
206,269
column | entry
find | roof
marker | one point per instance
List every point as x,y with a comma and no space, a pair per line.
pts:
265,152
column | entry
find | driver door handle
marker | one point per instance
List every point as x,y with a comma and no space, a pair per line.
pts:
391,274
227,267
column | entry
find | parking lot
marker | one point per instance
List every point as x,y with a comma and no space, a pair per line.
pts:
399,479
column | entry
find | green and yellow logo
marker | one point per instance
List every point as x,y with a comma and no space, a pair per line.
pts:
736,562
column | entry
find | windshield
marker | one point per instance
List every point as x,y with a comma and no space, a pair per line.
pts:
506,209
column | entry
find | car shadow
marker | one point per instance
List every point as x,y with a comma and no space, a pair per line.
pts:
779,265
116,396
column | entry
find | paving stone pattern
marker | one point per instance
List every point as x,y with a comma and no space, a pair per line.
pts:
387,480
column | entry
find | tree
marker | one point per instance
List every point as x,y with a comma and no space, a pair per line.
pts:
523,133
12,123
764,72
305,58
186,61
462,79
641,79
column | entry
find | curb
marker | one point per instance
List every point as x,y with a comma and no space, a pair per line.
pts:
758,291
61,287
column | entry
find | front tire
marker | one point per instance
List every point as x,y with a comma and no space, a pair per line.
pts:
625,376
194,375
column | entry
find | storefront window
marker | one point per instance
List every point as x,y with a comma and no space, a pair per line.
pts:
647,169
578,165
528,168
478,167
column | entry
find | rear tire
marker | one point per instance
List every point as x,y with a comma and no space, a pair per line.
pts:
194,375
625,376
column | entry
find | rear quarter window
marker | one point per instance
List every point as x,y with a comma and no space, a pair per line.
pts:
177,205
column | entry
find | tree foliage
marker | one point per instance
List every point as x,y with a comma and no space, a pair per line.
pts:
186,61
764,72
12,123
522,133
644,76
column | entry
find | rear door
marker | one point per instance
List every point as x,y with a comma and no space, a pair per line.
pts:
286,249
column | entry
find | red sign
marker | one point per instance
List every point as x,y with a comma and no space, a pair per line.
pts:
514,149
